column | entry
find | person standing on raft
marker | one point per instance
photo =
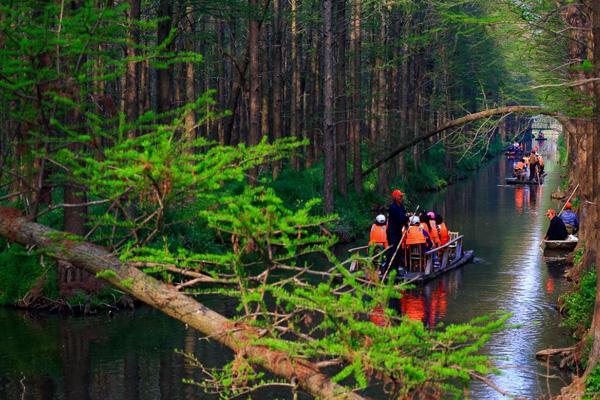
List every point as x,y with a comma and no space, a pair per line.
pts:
396,221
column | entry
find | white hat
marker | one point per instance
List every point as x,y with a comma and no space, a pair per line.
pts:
380,219
415,220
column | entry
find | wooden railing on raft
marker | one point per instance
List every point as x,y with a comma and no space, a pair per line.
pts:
450,252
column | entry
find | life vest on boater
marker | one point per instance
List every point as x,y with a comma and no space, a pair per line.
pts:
433,233
444,234
415,235
378,235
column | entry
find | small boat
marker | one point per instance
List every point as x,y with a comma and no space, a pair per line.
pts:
540,138
568,244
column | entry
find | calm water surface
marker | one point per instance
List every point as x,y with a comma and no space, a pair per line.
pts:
130,356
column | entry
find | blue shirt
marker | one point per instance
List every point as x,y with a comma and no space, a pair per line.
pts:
570,218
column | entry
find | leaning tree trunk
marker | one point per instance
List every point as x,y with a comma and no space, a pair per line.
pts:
454,123
235,335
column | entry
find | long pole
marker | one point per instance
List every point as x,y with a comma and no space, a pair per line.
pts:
569,199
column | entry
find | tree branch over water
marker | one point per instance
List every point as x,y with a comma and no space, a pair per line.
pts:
452,124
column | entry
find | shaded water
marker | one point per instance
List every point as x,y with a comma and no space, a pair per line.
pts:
130,356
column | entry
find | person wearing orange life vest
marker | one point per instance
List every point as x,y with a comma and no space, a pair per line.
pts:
520,170
444,234
433,231
378,234
416,234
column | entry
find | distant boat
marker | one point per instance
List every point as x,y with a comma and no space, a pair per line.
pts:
540,137
516,181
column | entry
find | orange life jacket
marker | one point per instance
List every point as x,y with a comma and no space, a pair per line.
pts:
424,226
540,160
433,232
444,235
520,165
415,235
378,235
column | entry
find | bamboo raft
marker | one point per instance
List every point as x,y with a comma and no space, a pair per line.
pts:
421,268
516,181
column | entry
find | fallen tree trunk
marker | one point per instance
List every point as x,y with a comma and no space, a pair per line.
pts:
237,337
452,124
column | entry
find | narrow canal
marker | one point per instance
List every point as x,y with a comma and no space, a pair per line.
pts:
130,355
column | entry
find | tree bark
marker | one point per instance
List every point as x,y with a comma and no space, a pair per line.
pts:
591,227
340,100
328,127
355,119
190,92
295,128
277,80
132,72
382,133
254,85
236,336
163,75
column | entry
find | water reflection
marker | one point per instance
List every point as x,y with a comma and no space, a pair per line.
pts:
504,225
428,304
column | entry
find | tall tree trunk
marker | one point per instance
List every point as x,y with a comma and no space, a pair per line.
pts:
132,72
328,127
163,75
355,119
254,84
295,128
382,89
277,80
340,100
190,92
591,194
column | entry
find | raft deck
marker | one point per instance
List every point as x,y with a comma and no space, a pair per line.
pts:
452,258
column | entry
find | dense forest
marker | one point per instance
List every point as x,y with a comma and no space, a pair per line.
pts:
182,148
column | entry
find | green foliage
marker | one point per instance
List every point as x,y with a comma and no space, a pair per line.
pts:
592,384
20,271
579,304
106,274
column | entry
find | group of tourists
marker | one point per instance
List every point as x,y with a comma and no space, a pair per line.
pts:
399,231
530,167
562,225
516,148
